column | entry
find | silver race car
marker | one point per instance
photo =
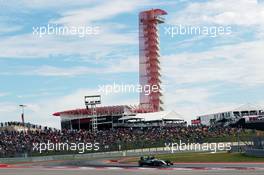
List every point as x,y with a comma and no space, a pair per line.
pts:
152,161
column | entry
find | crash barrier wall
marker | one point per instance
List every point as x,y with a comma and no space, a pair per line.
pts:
255,152
60,157
119,146
236,148
122,146
134,152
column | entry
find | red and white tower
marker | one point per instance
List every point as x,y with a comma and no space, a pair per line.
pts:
149,69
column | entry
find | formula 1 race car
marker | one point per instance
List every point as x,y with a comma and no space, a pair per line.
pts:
152,161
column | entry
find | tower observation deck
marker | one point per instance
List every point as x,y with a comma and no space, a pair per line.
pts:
149,63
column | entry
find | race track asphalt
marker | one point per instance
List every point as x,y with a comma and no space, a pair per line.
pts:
105,167
43,171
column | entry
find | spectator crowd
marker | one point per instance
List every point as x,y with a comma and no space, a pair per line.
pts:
15,143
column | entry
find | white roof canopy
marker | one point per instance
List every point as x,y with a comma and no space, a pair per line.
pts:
245,107
249,107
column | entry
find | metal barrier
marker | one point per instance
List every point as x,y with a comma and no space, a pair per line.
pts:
255,152
133,152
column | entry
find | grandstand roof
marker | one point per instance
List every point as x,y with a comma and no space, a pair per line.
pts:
105,110
155,116
248,107
245,107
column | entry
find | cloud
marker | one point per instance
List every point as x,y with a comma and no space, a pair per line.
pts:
191,111
187,95
6,25
7,107
221,12
5,28
111,66
29,46
241,64
103,11
46,4
3,94
56,71
188,102
109,40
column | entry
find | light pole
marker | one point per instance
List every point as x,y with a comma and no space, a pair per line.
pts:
22,113
90,103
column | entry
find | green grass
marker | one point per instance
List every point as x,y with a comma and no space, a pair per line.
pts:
205,157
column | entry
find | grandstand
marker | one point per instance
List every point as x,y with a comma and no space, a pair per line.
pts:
20,126
20,143
107,116
117,116
247,116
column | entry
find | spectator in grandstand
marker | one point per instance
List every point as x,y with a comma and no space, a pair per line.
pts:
13,143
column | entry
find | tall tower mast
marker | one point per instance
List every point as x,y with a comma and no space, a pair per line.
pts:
149,69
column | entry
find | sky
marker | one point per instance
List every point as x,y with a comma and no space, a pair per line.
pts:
200,73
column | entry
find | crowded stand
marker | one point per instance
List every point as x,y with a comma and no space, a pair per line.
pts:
19,126
15,143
